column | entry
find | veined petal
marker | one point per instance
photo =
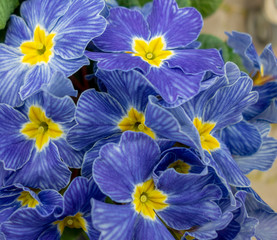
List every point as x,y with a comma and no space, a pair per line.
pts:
226,106
44,170
34,80
171,124
146,229
115,222
71,157
267,96
242,138
172,83
123,25
81,19
190,199
17,32
179,27
131,88
262,160
120,167
93,153
11,80
46,13
61,86
227,168
242,44
97,116
197,60
67,66
118,61
28,223
15,149
85,190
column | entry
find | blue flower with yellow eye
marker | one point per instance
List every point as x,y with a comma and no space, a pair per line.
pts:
45,40
75,213
196,122
122,108
263,70
158,46
147,206
16,196
33,141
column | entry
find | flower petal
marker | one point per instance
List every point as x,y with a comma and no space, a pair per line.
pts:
11,80
197,60
123,26
179,27
81,19
118,61
15,149
17,32
44,170
120,167
46,13
115,222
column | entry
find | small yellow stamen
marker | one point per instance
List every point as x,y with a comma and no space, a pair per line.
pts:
27,199
76,221
70,222
208,142
40,128
260,79
147,199
180,166
134,121
149,56
262,70
154,52
143,198
40,49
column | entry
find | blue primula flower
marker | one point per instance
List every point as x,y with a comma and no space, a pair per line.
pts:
124,173
196,122
263,70
122,108
76,213
45,40
158,47
16,196
33,141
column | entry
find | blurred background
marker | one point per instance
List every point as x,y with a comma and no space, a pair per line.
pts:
259,18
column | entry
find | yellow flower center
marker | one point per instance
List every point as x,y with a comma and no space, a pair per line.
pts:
260,79
180,166
208,142
134,121
40,128
147,199
152,52
40,49
76,221
27,199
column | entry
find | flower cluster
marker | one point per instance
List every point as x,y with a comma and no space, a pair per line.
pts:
158,149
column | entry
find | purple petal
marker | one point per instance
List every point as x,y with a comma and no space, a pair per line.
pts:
179,27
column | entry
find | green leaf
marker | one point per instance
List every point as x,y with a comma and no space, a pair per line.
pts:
206,7
129,3
183,3
209,41
6,9
73,234
143,2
